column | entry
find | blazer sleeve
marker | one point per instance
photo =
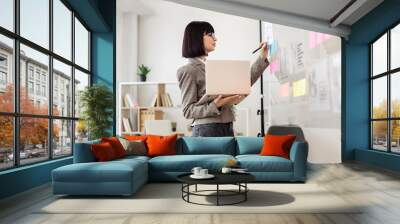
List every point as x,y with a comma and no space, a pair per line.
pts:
188,87
257,69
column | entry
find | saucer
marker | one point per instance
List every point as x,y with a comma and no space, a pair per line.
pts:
240,171
208,176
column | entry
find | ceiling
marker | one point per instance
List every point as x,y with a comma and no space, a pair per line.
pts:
317,15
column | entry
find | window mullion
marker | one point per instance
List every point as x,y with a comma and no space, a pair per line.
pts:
389,105
50,81
371,89
16,84
73,82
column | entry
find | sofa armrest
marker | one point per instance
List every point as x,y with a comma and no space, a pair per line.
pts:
298,155
83,152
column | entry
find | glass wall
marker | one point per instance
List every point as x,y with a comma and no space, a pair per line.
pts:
302,84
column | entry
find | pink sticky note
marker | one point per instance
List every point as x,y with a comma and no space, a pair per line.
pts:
274,66
313,40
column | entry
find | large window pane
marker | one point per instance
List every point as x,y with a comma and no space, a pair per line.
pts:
395,94
395,136
33,139
379,97
34,81
62,138
81,45
7,14
62,89
6,74
6,142
35,21
379,135
395,47
62,29
81,81
379,55
34,74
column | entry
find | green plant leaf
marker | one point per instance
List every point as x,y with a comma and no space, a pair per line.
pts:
143,70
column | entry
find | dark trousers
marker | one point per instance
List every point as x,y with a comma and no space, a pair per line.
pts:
213,130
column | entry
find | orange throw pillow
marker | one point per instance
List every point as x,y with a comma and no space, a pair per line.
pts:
116,145
161,145
277,145
103,152
136,137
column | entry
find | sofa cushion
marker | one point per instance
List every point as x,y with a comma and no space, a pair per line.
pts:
116,145
277,145
207,145
185,163
161,145
103,152
134,147
257,163
136,137
112,171
131,158
248,145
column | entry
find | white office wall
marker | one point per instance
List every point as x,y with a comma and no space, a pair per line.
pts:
159,35
127,45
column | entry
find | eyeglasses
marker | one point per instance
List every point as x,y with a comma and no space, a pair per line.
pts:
211,35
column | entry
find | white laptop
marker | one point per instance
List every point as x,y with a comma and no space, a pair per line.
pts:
227,77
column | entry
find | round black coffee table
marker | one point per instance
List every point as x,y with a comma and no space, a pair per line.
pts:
238,179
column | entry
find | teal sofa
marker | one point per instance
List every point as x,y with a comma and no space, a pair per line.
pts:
125,176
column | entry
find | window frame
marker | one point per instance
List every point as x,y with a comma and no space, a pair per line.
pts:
388,74
16,114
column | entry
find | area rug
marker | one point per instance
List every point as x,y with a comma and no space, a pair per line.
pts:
166,198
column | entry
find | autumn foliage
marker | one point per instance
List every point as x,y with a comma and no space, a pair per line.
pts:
33,131
380,127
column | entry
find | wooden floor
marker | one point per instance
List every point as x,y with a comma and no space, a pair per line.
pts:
378,188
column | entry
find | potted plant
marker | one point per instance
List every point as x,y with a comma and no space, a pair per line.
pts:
96,102
173,124
142,72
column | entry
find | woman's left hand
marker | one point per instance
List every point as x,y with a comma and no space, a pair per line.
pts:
264,50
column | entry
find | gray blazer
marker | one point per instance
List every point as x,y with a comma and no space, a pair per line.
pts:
191,78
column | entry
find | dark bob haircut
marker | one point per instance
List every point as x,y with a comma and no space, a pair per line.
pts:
193,38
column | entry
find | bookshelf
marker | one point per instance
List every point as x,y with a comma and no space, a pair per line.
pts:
149,100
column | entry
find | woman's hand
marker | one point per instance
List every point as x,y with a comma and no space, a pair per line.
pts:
239,99
264,50
228,100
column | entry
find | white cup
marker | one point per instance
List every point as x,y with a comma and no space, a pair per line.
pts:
196,171
203,172
226,170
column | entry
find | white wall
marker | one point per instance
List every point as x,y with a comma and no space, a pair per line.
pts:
127,43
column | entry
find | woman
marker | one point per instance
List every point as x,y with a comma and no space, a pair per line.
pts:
213,118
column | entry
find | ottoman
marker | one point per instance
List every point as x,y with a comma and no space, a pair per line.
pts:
119,177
